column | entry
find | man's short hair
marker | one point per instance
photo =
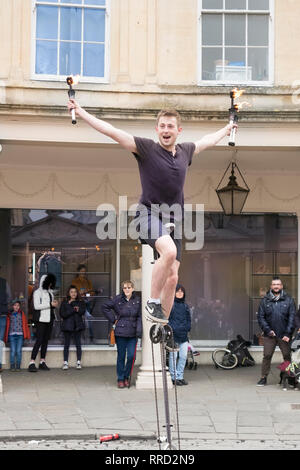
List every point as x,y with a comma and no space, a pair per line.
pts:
277,279
169,113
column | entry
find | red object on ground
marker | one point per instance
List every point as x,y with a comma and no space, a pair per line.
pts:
109,437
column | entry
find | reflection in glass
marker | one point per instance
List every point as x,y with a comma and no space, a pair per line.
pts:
212,4
211,61
70,24
70,58
212,30
235,30
258,59
46,57
94,25
258,4
258,30
94,2
235,4
93,60
47,22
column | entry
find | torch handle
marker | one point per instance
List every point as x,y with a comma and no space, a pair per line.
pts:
231,141
73,116
233,120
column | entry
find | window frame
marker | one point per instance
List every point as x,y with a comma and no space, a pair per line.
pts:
264,83
62,78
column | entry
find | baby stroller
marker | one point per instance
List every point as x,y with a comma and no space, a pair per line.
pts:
191,364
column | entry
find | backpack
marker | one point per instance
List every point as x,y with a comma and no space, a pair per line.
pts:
239,347
33,314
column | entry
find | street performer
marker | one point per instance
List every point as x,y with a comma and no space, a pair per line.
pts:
162,166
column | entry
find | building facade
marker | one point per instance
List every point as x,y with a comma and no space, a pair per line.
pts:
135,57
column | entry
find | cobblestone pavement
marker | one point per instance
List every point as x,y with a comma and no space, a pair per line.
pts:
131,445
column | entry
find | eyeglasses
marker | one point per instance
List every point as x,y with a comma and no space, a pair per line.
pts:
127,287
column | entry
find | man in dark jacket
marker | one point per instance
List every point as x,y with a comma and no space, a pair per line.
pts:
124,312
276,317
180,322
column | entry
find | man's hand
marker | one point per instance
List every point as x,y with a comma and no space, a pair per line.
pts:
272,334
72,104
54,303
286,339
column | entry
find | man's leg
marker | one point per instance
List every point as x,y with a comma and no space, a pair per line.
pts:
285,349
169,289
269,348
163,266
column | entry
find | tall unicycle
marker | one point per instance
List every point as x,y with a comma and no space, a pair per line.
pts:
162,334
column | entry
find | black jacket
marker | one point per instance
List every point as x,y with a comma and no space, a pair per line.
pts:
180,320
127,313
71,320
277,316
3,297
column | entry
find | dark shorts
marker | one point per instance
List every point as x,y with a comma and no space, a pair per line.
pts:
152,228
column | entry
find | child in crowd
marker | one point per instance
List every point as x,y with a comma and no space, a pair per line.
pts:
16,331
72,312
180,322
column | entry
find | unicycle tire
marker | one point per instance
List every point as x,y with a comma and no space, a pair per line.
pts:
224,359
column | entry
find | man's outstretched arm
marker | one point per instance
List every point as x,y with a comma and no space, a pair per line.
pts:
210,140
123,138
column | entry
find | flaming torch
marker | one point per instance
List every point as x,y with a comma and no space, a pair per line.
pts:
72,81
233,114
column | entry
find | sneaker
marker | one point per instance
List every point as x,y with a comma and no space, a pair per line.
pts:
126,383
32,368
121,384
262,382
65,366
183,382
178,382
155,313
12,368
18,369
78,365
43,366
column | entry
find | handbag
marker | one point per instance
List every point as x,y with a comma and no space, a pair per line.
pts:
111,335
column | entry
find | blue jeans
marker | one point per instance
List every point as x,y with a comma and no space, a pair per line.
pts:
125,345
180,364
2,332
16,343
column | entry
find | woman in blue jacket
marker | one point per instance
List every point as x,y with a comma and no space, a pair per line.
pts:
180,322
124,311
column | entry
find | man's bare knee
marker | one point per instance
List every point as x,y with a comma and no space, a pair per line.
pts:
168,255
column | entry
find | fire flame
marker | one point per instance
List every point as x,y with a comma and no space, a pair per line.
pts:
73,80
241,105
237,93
